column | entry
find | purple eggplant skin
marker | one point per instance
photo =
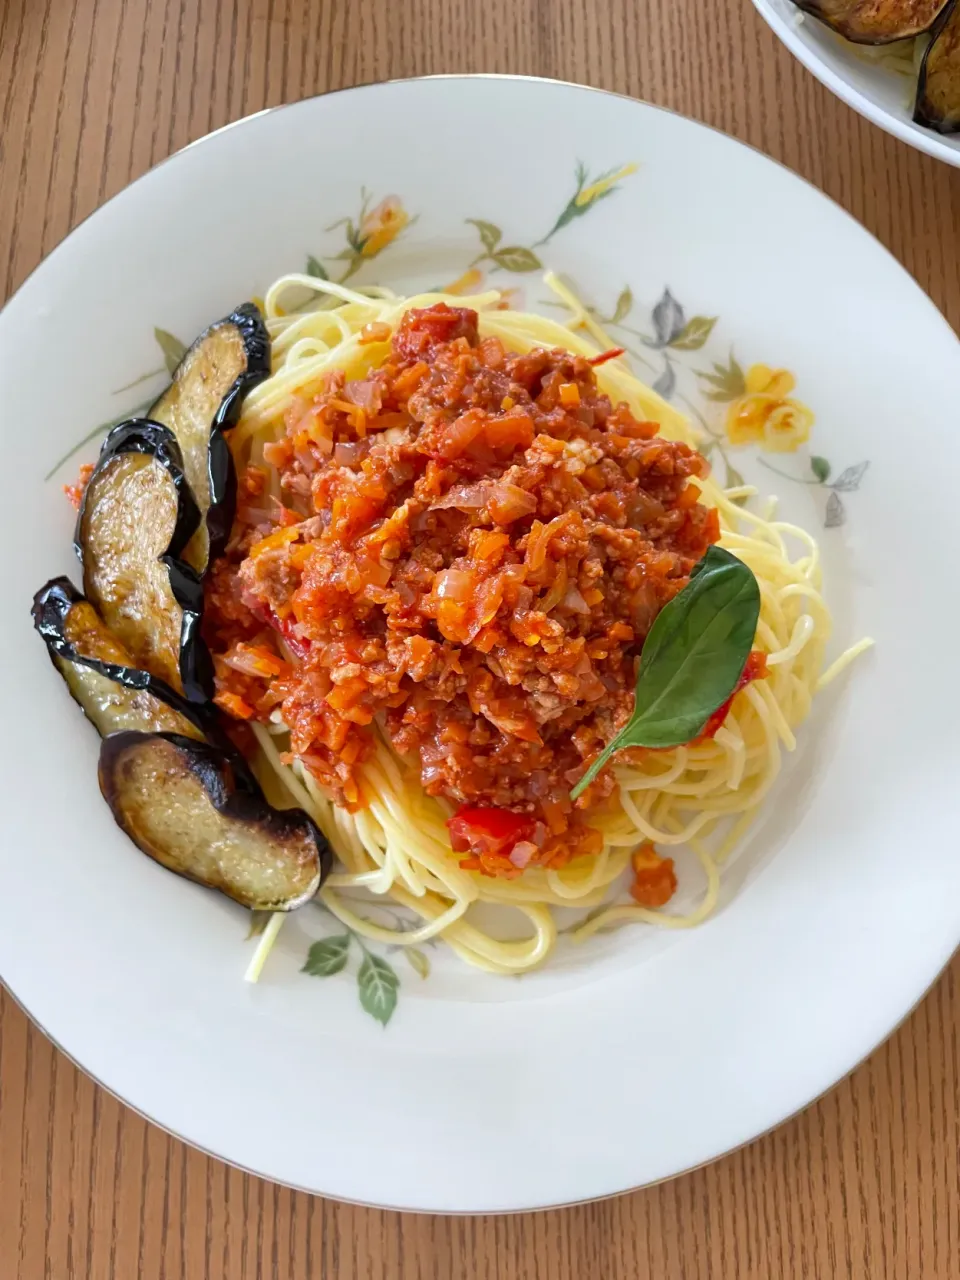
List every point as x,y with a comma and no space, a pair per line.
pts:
152,439
53,605
875,22
143,435
181,804
228,359
152,705
938,87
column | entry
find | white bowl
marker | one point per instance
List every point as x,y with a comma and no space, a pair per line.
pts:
882,95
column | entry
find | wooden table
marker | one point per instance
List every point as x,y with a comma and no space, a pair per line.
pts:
865,1183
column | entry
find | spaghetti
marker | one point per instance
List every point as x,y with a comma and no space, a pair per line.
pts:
393,840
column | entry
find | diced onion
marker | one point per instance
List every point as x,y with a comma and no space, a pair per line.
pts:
454,584
522,852
574,601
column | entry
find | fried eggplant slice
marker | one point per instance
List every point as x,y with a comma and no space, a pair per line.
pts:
938,89
204,400
178,800
136,518
875,21
100,674
113,693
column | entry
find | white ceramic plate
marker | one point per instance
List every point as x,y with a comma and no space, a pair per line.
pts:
873,82
643,1053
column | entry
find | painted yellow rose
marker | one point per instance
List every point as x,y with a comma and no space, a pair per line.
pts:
766,414
382,225
602,185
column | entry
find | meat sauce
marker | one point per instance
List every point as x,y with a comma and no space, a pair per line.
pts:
471,547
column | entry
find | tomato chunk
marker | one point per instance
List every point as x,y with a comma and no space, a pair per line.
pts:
654,878
755,668
484,829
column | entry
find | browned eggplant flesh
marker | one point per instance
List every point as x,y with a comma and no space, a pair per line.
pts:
136,518
938,90
203,400
875,21
100,673
179,801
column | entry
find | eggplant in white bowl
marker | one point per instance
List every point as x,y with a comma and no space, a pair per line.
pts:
896,62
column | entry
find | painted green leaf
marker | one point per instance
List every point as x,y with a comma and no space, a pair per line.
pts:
258,922
327,957
316,268
849,479
173,349
691,659
624,305
694,333
378,985
418,961
490,234
820,468
666,384
573,210
144,377
668,319
515,258
100,430
835,514
727,380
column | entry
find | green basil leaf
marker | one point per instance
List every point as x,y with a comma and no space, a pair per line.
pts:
692,658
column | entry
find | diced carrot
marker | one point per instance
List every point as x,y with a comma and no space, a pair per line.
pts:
274,540
234,705
472,578
375,331
654,878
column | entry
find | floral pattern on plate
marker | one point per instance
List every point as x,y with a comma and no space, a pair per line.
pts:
735,409
758,409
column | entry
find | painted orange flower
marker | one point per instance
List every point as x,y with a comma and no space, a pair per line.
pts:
766,414
382,225
471,282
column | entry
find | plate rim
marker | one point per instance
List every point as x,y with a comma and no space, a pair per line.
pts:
943,962
760,5
484,1213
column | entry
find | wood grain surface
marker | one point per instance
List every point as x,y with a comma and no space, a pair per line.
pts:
866,1183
